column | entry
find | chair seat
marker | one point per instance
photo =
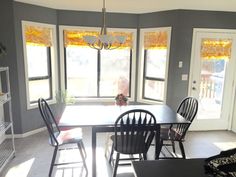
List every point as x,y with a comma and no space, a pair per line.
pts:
129,148
73,135
169,134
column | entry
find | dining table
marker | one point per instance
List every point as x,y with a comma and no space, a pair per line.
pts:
101,118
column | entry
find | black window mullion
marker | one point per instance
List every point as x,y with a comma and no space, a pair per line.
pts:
130,71
144,72
49,70
38,78
154,79
153,99
65,68
99,73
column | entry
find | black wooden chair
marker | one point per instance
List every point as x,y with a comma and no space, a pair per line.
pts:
176,133
134,132
58,138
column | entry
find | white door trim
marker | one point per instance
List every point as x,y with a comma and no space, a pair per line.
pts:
232,76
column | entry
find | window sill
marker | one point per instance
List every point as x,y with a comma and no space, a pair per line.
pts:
35,105
145,101
96,100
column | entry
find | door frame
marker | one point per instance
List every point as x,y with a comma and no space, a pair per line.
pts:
231,103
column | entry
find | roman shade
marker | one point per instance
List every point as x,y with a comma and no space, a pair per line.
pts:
216,49
155,40
39,36
75,38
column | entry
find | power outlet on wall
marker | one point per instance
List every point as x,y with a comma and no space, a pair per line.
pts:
184,77
180,64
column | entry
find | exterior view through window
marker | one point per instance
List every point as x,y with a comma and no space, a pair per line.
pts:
215,55
154,58
95,73
39,77
39,61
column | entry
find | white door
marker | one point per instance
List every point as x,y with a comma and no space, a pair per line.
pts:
212,77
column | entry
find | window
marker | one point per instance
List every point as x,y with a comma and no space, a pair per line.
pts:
154,50
91,73
40,61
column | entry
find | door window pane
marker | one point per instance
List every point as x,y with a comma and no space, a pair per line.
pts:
81,71
39,89
115,72
215,54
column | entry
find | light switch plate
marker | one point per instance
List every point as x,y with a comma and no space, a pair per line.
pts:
180,64
184,77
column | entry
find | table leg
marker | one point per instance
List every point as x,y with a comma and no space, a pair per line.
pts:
93,152
157,143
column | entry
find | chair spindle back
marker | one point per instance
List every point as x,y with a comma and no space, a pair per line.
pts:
136,129
188,109
49,120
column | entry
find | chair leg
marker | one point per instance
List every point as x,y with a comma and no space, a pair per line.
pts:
82,145
111,154
182,149
82,156
144,156
158,149
173,146
53,160
140,157
116,164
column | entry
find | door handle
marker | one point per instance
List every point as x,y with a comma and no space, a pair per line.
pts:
193,88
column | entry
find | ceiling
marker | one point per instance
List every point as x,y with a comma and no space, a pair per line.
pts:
136,6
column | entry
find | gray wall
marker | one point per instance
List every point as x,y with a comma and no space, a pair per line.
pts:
94,19
181,21
168,19
7,37
30,119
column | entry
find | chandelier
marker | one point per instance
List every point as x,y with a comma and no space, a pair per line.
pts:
104,40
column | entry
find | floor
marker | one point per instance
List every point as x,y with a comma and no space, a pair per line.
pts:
33,154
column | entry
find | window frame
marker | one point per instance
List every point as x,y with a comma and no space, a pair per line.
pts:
142,67
52,65
132,63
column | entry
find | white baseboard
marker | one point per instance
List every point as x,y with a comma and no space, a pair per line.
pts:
27,133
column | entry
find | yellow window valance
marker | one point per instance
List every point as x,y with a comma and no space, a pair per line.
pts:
40,36
129,39
155,40
75,38
216,49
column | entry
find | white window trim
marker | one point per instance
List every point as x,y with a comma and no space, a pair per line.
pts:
54,64
62,60
141,64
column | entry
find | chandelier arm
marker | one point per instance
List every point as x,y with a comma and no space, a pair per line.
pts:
96,47
116,47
